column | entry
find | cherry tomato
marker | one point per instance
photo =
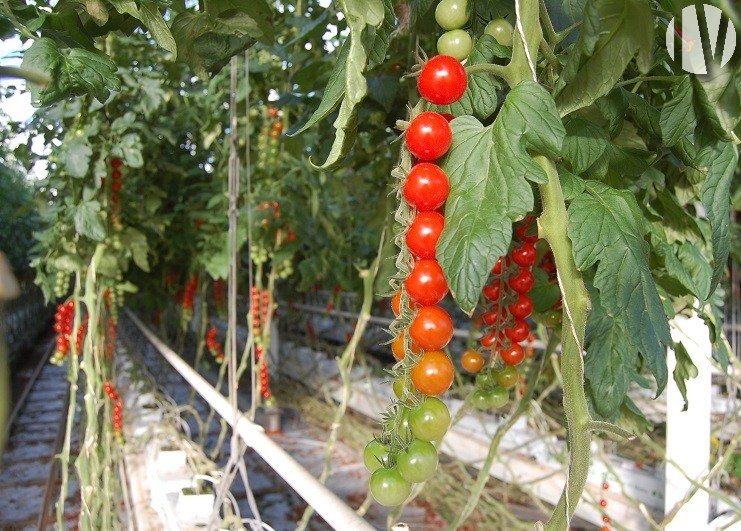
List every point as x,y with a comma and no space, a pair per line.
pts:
522,282
449,117
443,80
493,339
427,187
396,304
432,328
430,420
480,399
472,361
116,162
526,232
278,126
492,291
426,283
456,43
513,355
418,462
452,14
429,136
501,262
116,174
433,374
501,30
397,347
507,377
498,396
519,331
525,255
423,234
493,316
522,307
485,379
375,455
273,112
388,487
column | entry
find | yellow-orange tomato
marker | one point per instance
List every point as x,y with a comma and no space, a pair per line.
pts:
472,361
433,374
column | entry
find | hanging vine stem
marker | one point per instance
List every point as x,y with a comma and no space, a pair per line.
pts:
345,364
483,476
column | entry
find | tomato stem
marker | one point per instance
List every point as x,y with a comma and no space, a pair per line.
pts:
552,226
489,68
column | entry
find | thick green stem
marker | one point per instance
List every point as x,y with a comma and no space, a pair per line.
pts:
488,68
552,226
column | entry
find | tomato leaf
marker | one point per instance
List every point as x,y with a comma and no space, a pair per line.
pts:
583,145
718,162
718,96
610,362
88,221
489,168
607,228
136,243
611,35
684,370
152,19
75,154
678,114
73,72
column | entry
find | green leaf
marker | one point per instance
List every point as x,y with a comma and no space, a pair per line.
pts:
333,93
74,156
607,228
613,107
683,263
136,243
683,371
88,221
584,144
572,185
489,168
678,114
605,46
97,11
152,19
126,7
719,163
718,96
544,294
610,362
74,72
130,150
480,97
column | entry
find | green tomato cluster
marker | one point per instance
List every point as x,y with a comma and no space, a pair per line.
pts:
61,284
259,254
492,387
451,15
284,269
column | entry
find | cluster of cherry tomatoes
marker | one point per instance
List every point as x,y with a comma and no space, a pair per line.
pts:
189,295
452,15
404,453
219,296
61,284
213,345
110,337
268,142
117,408
63,325
261,306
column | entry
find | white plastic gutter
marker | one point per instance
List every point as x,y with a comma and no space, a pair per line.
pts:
334,510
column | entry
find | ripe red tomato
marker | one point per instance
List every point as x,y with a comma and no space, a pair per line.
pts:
519,331
494,339
423,234
443,80
426,283
525,256
429,136
432,328
527,232
493,290
503,261
426,187
513,355
493,316
116,162
522,307
472,361
433,374
522,282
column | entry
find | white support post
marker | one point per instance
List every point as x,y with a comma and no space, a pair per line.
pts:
688,432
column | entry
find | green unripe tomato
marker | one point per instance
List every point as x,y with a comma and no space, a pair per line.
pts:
456,43
501,30
498,397
452,14
375,455
418,462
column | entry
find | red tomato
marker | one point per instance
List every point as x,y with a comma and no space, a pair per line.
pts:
426,283
513,355
432,328
443,80
423,234
426,187
522,282
522,307
525,256
519,331
429,136
433,374
494,339
492,291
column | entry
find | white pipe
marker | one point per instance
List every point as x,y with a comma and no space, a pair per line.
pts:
334,511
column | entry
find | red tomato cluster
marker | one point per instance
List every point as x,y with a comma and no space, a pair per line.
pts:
261,308
189,295
117,408
110,338
63,325
510,304
116,185
213,345
219,295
